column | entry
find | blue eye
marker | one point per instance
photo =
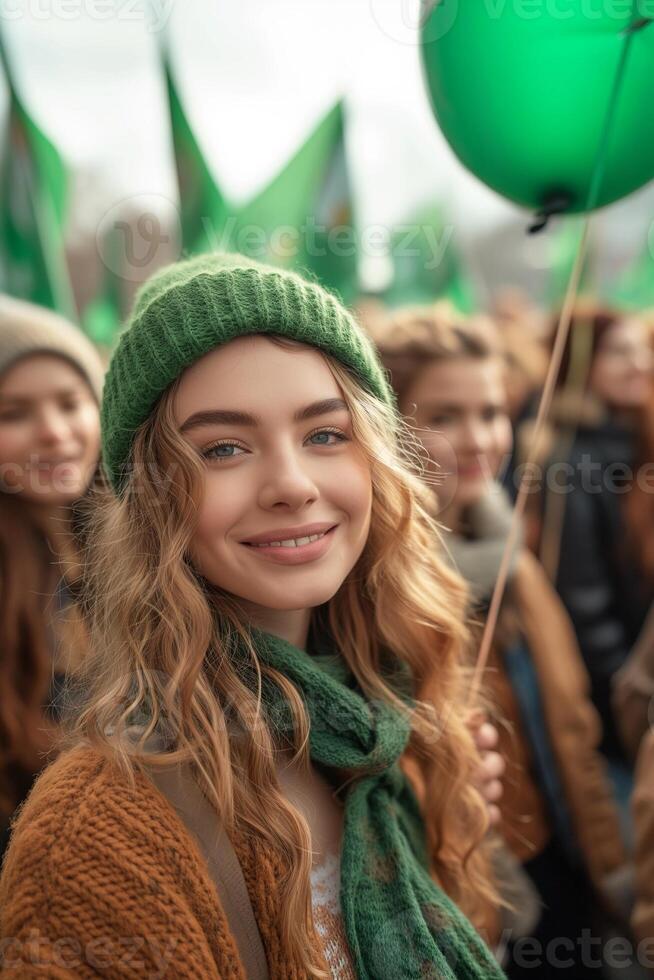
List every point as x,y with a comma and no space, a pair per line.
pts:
221,451
321,438
322,435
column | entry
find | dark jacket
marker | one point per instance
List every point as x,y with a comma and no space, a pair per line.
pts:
598,577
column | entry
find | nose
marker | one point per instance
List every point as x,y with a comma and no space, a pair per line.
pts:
475,436
287,484
53,427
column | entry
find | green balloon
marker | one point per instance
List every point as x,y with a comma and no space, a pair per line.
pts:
522,88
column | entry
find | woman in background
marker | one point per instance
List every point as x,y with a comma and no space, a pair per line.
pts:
558,815
50,382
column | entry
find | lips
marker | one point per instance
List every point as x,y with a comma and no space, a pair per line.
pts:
292,542
296,550
51,463
280,537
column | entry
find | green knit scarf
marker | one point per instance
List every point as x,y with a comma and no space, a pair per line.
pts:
399,923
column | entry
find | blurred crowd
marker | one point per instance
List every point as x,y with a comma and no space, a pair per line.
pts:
570,677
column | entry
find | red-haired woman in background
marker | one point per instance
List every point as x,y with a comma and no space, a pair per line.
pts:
50,381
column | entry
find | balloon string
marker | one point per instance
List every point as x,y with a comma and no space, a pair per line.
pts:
560,340
513,538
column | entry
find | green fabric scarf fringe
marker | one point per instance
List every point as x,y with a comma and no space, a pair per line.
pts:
398,922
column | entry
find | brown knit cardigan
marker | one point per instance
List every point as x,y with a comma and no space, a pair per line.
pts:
104,880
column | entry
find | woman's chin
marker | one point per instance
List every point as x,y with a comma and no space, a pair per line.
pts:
473,490
49,497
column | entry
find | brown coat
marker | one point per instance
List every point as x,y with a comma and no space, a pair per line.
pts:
643,808
102,878
574,730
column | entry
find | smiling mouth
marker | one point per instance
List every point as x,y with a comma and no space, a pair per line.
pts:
50,464
291,542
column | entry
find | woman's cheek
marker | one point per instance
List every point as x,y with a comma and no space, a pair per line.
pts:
15,446
442,448
351,484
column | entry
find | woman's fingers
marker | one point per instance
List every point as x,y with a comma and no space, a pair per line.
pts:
494,815
493,791
492,766
486,736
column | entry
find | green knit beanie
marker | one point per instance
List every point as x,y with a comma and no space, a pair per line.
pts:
191,307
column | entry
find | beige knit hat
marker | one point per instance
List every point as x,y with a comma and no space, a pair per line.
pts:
28,329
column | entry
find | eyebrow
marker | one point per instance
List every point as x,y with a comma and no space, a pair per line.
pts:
28,399
454,407
441,407
220,416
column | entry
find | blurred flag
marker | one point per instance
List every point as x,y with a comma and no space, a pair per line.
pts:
204,211
634,289
305,213
302,219
33,184
101,317
426,264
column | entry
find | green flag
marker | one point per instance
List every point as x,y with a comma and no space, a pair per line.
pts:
426,264
302,219
305,213
204,211
33,181
102,315
634,289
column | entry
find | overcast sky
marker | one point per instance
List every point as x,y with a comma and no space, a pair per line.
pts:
256,76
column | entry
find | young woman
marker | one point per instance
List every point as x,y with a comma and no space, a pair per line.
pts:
558,816
274,640
50,383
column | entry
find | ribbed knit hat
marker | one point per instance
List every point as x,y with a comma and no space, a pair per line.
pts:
191,307
26,329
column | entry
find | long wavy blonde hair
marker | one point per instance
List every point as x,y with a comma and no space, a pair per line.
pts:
159,659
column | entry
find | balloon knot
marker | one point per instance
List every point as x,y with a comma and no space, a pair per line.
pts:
556,203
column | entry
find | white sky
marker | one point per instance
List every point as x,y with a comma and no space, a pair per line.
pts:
256,76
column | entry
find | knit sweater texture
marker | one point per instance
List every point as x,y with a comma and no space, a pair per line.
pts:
94,859
102,879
